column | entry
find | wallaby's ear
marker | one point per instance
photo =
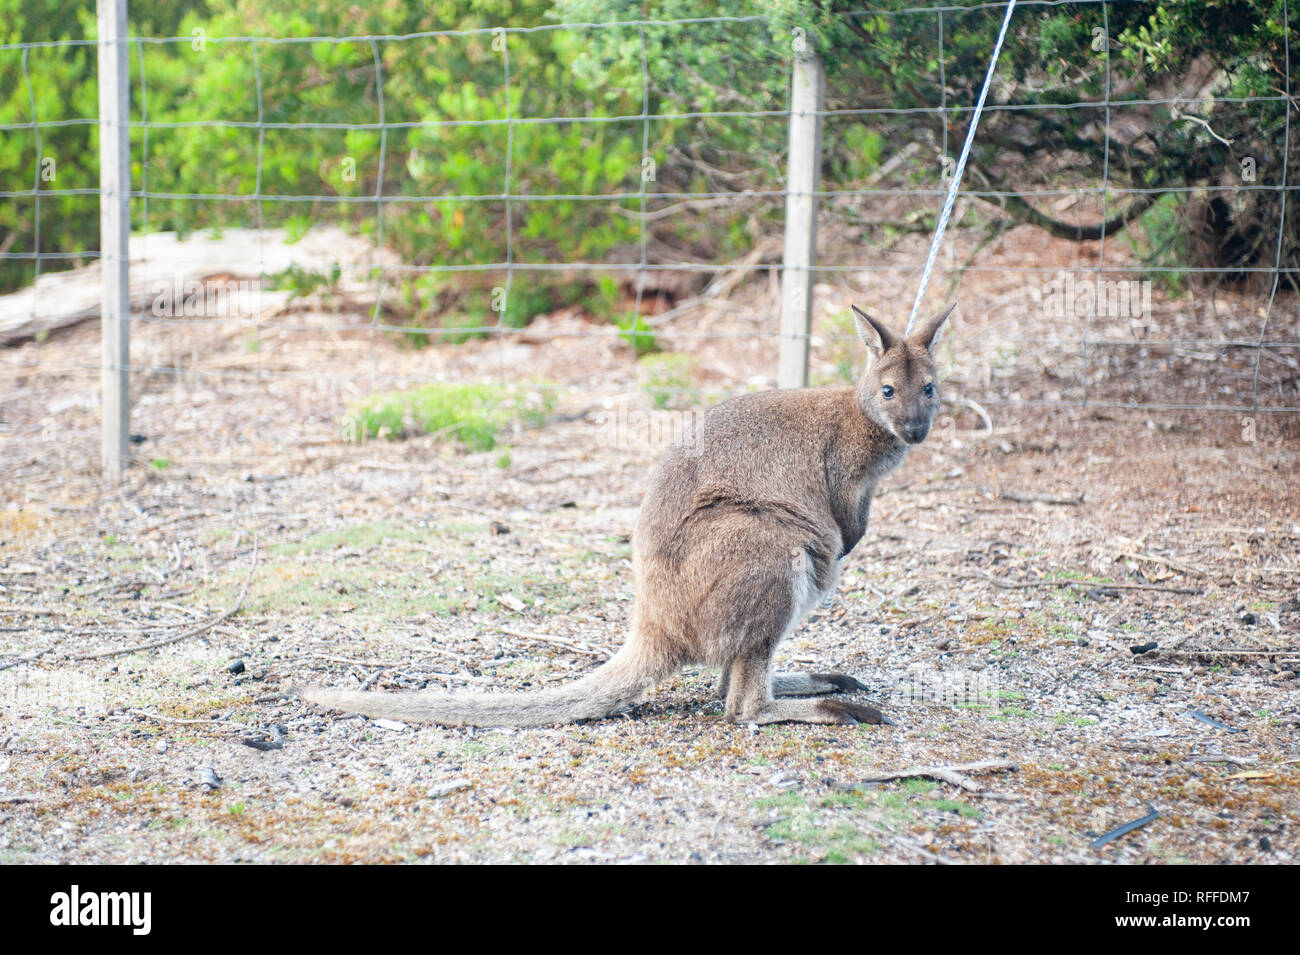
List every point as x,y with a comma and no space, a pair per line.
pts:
874,335
929,333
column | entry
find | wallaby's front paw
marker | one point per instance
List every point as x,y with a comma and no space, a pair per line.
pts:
849,714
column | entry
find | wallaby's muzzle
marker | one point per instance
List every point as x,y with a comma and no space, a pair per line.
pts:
914,432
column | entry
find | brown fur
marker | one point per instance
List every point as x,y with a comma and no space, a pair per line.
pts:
740,534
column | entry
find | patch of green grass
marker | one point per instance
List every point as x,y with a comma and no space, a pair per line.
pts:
635,331
460,327
786,800
358,536
959,806
667,379
524,303
838,843
161,464
1161,242
474,414
1070,575
1065,719
842,347
382,568
300,282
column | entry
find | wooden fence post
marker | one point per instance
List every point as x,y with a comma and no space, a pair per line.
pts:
802,181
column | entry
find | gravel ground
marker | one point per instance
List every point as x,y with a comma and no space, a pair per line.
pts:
1102,602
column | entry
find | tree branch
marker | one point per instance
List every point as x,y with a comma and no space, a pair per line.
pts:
1016,206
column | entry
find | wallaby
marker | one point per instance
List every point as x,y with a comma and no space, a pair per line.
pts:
742,531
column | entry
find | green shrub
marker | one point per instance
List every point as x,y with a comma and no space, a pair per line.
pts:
634,330
473,414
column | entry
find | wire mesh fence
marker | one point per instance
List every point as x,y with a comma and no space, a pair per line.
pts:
542,185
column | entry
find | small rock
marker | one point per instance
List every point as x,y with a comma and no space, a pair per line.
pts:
390,724
275,742
210,780
498,529
236,667
160,747
510,601
450,786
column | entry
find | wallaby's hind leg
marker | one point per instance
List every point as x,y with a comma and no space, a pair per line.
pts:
724,682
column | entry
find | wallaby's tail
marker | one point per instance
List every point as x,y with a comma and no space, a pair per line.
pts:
604,691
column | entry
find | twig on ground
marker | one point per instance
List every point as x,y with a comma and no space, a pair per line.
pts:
148,714
1228,652
31,657
356,663
193,632
1020,498
1221,758
1174,565
1077,582
949,774
588,649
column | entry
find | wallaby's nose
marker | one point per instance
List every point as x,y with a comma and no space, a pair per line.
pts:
914,432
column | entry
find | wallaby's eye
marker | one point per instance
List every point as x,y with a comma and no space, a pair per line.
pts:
887,391
929,391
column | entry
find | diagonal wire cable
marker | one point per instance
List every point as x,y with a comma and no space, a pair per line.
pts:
961,168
